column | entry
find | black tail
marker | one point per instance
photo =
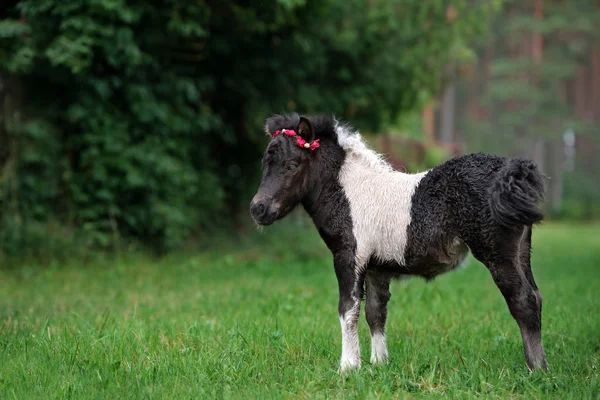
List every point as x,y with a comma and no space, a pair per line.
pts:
516,194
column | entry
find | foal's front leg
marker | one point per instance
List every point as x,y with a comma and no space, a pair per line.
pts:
351,286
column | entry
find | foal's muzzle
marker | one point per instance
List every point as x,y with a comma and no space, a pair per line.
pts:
263,211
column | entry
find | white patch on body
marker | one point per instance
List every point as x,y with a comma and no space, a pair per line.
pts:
380,200
350,347
379,353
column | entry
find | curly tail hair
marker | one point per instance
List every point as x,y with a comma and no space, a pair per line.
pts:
516,194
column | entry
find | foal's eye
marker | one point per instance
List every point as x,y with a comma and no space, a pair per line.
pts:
292,167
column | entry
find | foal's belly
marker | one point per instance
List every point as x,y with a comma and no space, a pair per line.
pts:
435,262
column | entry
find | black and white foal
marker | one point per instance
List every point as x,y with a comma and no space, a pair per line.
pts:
382,224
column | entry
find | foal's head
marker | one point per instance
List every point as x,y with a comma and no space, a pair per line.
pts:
288,165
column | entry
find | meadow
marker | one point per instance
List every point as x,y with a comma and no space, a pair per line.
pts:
256,318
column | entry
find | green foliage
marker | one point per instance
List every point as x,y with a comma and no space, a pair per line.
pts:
528,93
112,144
145,121
435,156
261,323
532,99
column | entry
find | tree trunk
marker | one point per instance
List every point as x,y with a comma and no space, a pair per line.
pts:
538,154
428,118
537,37
9,117
447,118
580,99
555,168
596,83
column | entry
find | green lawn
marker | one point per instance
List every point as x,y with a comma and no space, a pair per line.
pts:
261,322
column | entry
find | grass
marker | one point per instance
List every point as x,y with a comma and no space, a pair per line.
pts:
259,320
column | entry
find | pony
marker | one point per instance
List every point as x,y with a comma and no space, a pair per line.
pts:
381,224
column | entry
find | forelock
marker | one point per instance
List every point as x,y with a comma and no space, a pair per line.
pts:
285,121
323,126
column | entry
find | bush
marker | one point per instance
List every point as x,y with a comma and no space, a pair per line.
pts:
144,121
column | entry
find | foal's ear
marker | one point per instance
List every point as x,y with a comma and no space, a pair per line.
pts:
305,129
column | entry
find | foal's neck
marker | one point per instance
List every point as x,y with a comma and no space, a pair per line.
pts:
324,189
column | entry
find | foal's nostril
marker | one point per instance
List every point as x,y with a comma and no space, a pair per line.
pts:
258,210
263,212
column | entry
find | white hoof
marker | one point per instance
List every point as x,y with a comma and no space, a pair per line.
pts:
349,365
379,353
379,358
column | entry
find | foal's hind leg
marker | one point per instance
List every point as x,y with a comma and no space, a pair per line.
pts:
378,295
512,274
532,340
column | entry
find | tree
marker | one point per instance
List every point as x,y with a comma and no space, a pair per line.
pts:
144,120
532,83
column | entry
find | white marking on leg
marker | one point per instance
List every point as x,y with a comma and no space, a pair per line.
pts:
379,353
350,348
